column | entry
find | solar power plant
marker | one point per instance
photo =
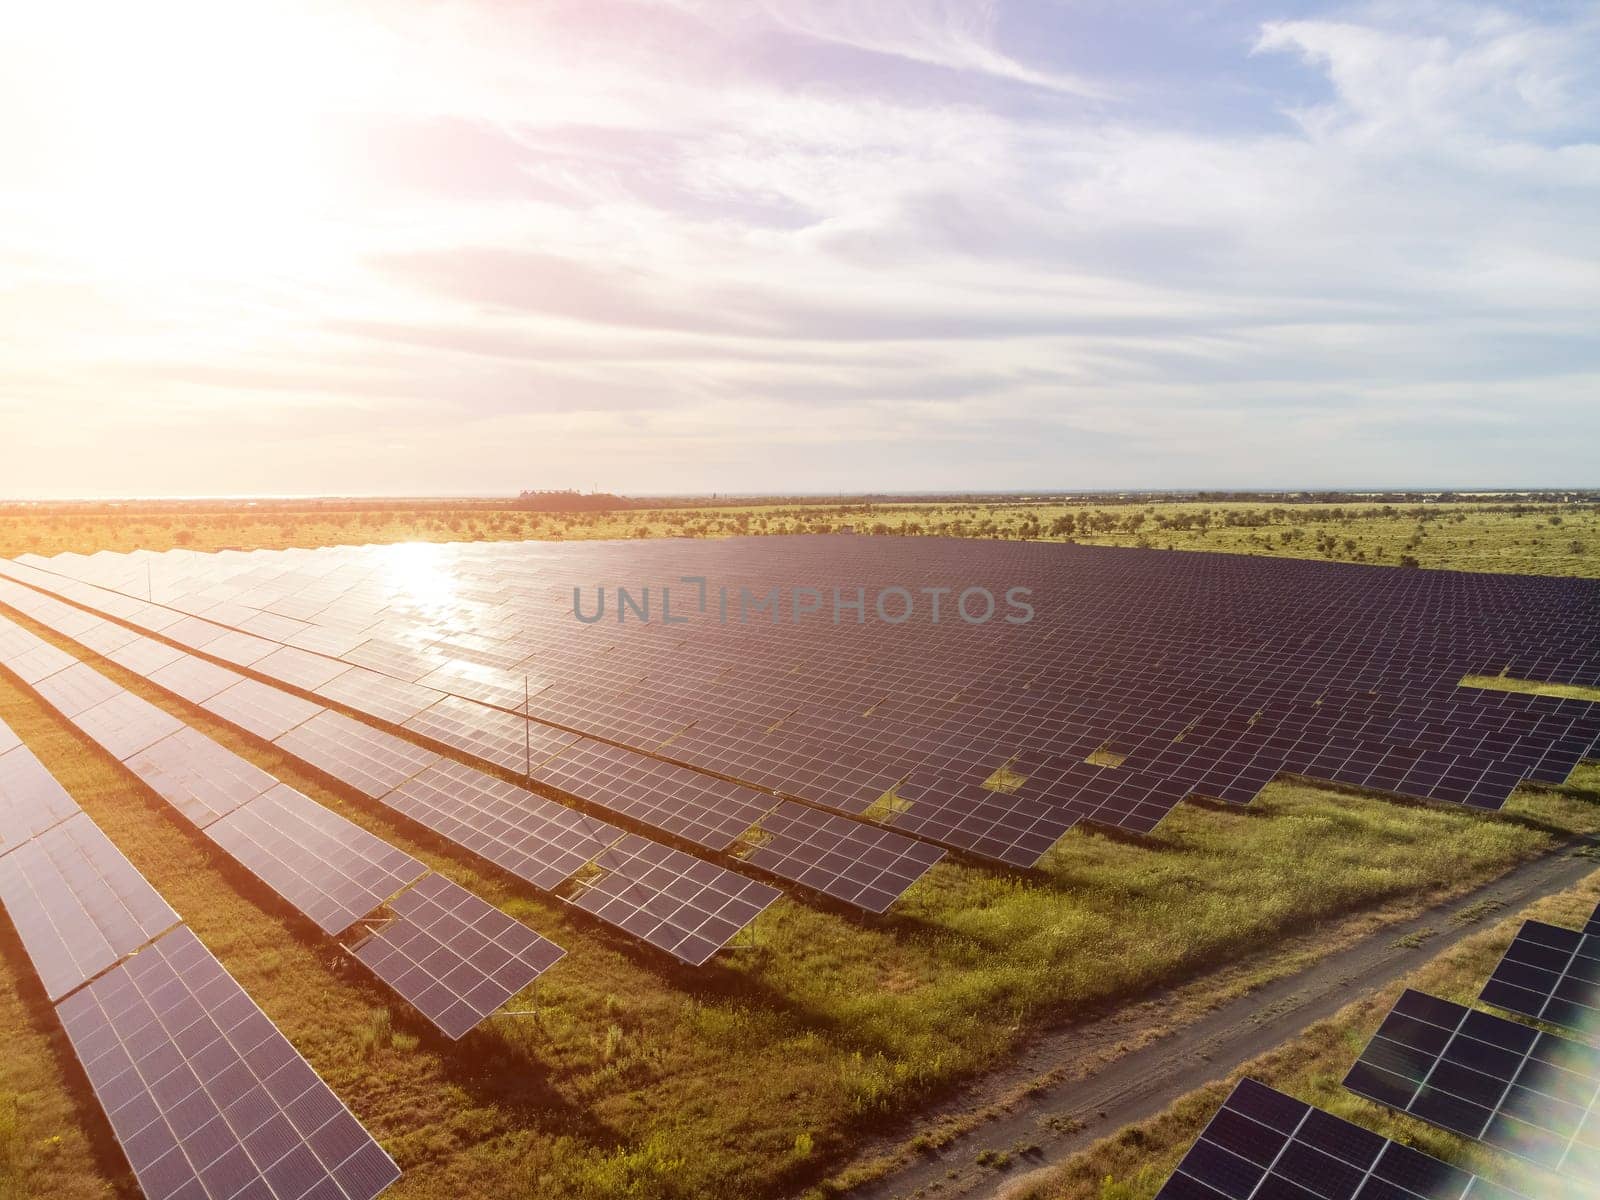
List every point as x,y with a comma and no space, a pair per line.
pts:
1505,1084
1201,674
206,1098
31,800
1552,974
455,958
670,899
333,871
537,839
501,738
78,904
1264,1145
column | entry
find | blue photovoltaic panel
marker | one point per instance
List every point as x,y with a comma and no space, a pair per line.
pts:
1551,974
1264,1145
1500,1082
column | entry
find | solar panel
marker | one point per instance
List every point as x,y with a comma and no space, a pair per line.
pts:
533,838
502,738
670,899
260,708
709,812
331,870
145,656
38,661
78,904
79,688
1551,974
194,679
126,724
299,668
375,695
866,867
198,777
1528,1093
1264,1145
453,956
31,800
1593,924
357,755
206,1098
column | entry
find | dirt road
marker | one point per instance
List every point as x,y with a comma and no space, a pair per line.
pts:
1045,1121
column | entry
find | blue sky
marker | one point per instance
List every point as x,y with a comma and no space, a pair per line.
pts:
807,245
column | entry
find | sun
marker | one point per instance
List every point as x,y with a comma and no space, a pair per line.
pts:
181,139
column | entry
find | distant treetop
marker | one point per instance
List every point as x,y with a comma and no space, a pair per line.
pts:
570,500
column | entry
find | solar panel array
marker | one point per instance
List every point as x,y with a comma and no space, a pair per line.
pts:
1551,974
1531,1094
331,870
206,1097
457,957
1206,674
1264,1145
535,838
78,904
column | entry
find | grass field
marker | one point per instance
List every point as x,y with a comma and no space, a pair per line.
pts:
1133,1164
757,1076
1546,539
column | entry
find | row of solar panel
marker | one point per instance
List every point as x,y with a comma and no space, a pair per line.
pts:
669,899
206,1097
1533,1094
1013,827
331,870
858,865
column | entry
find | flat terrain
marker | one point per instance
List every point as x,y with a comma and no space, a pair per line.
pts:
765,1074
1532,538
1133,1164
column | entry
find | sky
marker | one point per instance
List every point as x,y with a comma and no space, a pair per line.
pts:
684,246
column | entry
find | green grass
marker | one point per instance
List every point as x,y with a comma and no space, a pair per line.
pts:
1135,1162
750,1078
1533,687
